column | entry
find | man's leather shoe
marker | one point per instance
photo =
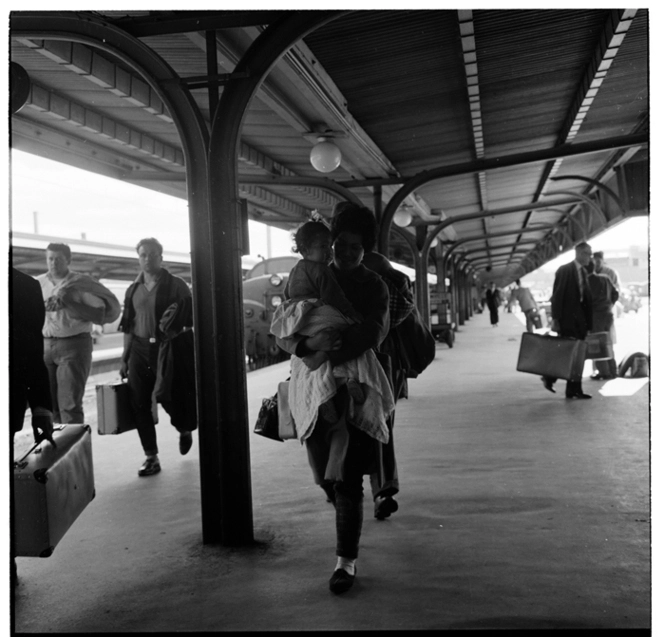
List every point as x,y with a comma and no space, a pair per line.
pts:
341,581
149,468
548,384
597,377
579,394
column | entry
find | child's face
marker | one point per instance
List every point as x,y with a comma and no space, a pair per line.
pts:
320,250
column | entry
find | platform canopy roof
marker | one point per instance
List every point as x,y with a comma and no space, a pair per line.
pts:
528,128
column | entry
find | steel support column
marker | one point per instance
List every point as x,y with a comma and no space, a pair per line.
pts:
251,70
94,32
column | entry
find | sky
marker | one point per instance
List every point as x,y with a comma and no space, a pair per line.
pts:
65,202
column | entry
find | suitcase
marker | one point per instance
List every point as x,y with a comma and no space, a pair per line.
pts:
114,413
555,356
600,347
52,486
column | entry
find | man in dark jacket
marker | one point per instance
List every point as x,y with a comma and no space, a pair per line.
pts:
571,309
155,291
28,377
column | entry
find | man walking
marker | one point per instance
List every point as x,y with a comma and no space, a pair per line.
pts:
528,306
73,303
571,309
158,355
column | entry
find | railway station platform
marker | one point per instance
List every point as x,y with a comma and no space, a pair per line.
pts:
518,509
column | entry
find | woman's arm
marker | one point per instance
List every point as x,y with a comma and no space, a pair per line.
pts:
372,299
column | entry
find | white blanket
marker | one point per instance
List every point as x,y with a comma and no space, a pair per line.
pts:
308,390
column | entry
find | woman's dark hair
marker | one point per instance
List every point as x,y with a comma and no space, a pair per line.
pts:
307,233
358,220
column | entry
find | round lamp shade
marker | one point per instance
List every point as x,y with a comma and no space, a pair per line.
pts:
402,218
325,157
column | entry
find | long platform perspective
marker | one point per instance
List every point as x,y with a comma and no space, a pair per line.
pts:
518,508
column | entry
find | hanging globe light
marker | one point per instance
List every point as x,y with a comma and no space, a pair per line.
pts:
325,156
434,242
402,218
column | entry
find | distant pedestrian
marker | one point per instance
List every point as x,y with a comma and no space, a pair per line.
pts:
602,268
528,306
74,302
493,300
604,297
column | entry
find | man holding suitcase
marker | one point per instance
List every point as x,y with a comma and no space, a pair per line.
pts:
571,309
156,322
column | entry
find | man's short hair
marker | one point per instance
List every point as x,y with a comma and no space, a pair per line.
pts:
60,247
518,281
151,241
580,246
598,255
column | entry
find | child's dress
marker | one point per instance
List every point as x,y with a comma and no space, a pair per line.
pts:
315,303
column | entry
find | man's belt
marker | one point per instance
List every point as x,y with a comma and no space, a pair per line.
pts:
148,339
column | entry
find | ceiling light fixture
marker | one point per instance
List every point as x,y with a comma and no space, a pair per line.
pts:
325,156
402,218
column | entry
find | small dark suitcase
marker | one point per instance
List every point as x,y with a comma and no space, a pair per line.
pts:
114,413
555,356
52,486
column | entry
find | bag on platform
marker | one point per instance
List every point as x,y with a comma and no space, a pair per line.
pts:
275,420
599,346
267,423
417,346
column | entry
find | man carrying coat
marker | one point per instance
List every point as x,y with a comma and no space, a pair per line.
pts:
571,309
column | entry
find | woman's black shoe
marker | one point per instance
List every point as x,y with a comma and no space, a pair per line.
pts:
341,581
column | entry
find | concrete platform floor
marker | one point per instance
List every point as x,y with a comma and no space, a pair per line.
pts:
518,509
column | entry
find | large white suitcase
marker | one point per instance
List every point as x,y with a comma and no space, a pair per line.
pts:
52,486
114,413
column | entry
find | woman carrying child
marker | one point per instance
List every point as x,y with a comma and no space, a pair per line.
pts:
316,303
342,452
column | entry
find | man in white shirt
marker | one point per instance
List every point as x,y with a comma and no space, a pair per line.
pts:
73,302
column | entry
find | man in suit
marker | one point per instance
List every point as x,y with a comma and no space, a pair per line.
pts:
571,309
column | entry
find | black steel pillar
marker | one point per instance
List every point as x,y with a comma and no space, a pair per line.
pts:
225,233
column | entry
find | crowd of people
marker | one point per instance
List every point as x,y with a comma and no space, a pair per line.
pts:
341,323
583,298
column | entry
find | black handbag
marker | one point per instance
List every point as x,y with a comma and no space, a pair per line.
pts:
417,346
267,423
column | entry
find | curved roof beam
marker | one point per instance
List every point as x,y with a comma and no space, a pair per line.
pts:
566,150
